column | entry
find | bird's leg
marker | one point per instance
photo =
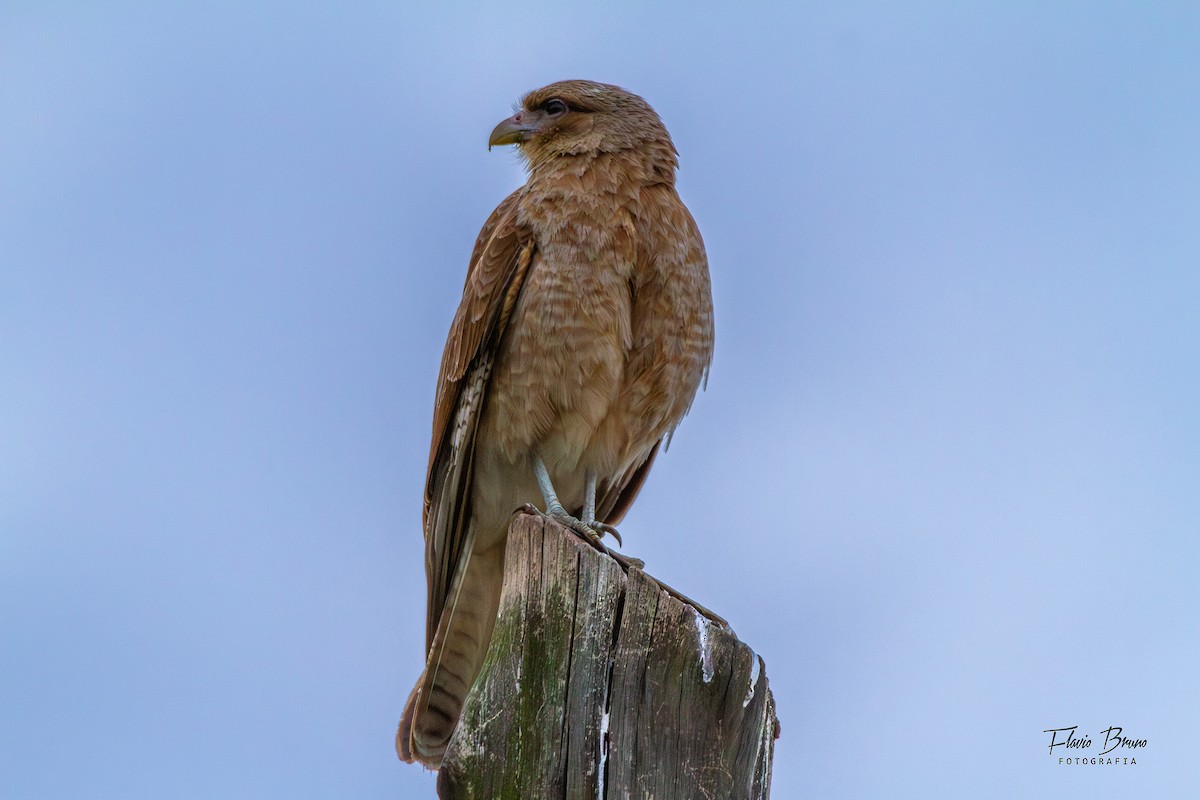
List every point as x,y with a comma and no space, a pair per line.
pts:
589,510
554,508
589,499
589,519
588,528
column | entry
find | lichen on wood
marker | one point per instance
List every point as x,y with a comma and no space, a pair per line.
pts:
600,684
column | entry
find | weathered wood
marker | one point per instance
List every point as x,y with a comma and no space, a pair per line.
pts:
600,684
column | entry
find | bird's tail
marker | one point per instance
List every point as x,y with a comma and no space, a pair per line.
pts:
455,656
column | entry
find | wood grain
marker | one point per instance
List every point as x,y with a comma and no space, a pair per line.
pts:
601,684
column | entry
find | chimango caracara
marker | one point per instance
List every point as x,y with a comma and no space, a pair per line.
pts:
584,331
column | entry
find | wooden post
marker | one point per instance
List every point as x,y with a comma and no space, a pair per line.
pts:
600,684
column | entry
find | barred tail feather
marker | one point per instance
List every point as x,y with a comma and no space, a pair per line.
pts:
457,652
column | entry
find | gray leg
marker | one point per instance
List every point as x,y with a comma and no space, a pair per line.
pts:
589,498
589,510
588,528
553,507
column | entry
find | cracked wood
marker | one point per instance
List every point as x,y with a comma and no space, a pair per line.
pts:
601,684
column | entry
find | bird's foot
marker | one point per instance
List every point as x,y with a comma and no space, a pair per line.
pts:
604,529
592,532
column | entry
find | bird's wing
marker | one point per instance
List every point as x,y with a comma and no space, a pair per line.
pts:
499,263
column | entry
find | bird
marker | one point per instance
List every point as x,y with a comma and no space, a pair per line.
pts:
584,332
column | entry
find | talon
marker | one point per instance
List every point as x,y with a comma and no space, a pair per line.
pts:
558,514
604,528
588,528
593,537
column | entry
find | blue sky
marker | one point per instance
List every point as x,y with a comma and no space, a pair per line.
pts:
944,478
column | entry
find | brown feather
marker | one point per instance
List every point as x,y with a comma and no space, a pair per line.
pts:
503,252
584,331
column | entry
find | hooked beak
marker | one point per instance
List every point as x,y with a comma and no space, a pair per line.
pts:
513,130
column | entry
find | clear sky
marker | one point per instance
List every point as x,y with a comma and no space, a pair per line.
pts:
945,478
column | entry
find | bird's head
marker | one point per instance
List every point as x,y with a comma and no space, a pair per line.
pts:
585,118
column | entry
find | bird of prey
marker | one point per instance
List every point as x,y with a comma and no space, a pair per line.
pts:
584,331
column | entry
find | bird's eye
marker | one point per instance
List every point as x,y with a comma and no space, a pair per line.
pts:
555,107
